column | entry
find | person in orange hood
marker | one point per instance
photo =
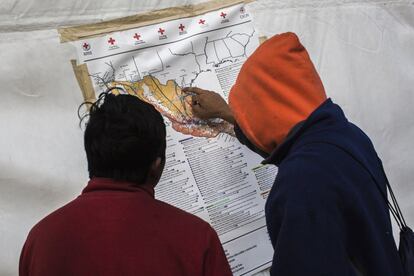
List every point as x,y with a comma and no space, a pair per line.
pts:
325,213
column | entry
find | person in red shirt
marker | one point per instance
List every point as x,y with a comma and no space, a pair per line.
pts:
116,226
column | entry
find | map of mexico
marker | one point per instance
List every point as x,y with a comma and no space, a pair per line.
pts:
171,102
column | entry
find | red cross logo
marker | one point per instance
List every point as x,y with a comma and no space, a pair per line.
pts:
137,36
222,14
201,22
181,27
111,41
86,46
161,31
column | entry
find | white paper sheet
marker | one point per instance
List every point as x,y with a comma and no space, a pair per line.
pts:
213,177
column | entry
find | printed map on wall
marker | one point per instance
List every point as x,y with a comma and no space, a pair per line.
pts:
155,62
208,172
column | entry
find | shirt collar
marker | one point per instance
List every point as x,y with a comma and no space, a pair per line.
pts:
99,184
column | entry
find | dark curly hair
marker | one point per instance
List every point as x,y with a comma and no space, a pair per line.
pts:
123,137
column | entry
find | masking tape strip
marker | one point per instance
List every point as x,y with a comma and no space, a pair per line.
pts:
262,39
130,22
84,81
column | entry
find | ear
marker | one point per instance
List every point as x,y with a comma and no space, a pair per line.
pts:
155,171
156,164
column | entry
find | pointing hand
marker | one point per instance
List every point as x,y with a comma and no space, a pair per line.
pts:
208,104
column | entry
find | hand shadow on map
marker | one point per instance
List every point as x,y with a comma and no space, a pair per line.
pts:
170,101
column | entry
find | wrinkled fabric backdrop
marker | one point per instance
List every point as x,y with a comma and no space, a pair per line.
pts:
364,51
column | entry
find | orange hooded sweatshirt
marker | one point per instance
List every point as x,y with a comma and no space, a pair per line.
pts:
277,87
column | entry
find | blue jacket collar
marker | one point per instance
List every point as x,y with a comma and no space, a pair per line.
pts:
327,115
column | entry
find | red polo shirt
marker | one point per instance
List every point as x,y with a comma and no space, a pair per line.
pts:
118,228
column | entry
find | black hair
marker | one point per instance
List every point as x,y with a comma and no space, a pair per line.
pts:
123,137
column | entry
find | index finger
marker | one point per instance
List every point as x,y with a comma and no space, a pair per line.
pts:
194,90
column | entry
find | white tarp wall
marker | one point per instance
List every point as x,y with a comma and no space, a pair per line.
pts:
364,51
